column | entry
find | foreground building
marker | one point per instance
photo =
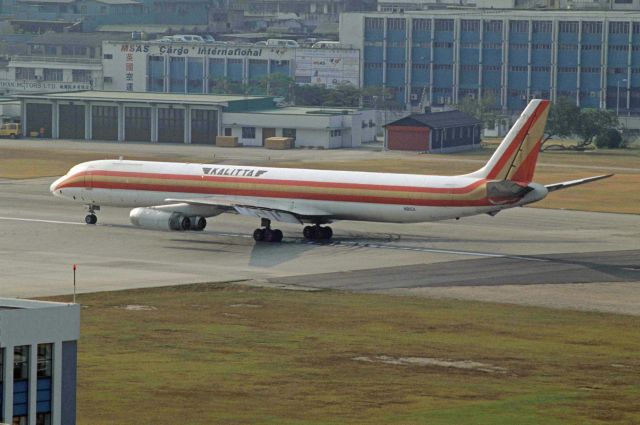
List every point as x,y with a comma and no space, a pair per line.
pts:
38,356
438,57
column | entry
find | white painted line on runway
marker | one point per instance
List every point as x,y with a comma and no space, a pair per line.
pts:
35,220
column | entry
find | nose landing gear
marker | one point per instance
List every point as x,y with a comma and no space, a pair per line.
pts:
91,217
266,233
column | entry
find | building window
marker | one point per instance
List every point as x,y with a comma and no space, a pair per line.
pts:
108,56
25,74
470,25
49,74
443,45
335,133
519,26
492,26
568,27
289,132
469,68
373,24
21,362
43,419
227,131
592,27
542,26
248,132
67,50
422,25
81,76
396,24
45,360
618,27
496,46
444,24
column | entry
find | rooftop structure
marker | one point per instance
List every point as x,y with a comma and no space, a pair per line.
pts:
38,361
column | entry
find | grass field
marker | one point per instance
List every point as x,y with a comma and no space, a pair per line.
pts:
618,194
205,354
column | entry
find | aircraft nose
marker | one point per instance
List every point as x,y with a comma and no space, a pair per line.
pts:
55,184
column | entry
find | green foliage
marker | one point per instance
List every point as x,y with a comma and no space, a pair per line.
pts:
563,118
566,119
592,122
276,84
344,94
481,109
611,139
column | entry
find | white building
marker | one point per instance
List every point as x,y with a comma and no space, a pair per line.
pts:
38,356
327,128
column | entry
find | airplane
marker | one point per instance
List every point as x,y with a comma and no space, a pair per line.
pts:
182,196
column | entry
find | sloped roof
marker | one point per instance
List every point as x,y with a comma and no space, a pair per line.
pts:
439,119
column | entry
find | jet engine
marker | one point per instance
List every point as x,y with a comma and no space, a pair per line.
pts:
151,218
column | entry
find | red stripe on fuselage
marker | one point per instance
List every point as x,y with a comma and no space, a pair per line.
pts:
278,194
302,183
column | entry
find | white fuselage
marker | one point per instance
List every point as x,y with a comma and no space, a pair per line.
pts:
341,195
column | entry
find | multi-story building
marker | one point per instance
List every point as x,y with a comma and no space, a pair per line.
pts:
87,15
56,62
38,352
202,68
439,57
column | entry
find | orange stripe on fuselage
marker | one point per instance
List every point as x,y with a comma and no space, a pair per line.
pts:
473,194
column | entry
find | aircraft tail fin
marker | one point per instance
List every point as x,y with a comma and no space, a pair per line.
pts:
516,157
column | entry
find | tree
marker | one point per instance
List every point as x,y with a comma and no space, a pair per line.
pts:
611,139
310,95
343,95
593,122
224,85
481,109
563,118
276,84
378,97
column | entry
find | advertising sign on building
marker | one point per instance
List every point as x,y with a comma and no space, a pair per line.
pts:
126,65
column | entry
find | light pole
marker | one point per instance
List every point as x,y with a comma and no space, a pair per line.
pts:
624,80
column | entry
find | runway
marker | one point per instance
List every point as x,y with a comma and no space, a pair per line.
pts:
43,236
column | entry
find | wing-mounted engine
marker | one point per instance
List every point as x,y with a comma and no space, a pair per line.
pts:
151,218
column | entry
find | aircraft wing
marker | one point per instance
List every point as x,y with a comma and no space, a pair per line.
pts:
570,183
272,209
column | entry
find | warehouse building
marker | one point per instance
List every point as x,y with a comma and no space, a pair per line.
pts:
192,118
438,57
38,352
440,132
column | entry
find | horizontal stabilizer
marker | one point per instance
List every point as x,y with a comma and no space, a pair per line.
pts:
564,185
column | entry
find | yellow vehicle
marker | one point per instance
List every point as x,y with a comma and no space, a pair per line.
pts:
10,129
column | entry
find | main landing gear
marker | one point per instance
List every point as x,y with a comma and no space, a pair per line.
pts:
266,233
317,233
91,217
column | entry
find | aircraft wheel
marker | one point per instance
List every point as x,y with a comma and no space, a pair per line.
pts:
309,232
326,232
277,235
91,219
258,235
